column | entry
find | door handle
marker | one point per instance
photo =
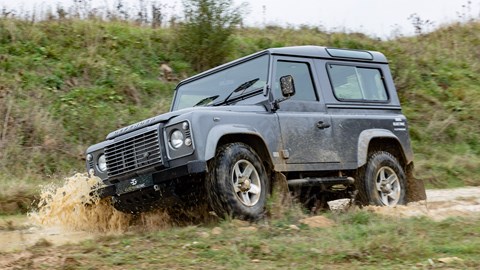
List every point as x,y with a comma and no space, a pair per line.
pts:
322,125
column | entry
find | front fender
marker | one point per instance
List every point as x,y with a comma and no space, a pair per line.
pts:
219,131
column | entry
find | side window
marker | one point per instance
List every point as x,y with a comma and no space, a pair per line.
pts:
302,78
357,83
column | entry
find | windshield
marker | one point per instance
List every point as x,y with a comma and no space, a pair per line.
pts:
224,85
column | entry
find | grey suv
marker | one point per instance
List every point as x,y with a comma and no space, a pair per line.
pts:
327,121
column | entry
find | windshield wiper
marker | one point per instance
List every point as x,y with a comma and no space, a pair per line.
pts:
242,87
204,100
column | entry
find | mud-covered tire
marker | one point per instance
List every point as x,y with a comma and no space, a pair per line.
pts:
384,181
237,183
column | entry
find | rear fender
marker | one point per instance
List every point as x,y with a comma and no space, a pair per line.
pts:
367,136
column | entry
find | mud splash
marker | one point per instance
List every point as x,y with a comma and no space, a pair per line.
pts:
71,207
68,214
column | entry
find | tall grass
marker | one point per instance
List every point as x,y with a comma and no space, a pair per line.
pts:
151,13
67,84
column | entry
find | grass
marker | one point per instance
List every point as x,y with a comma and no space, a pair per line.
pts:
359,240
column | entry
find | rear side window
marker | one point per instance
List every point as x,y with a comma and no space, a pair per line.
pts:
357,83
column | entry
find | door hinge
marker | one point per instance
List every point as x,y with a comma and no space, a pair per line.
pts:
285,154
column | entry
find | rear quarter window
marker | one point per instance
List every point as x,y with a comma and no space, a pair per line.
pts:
354,83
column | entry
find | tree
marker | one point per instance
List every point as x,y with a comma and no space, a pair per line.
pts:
204,38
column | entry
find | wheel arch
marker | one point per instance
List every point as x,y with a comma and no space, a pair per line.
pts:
381,140
221,135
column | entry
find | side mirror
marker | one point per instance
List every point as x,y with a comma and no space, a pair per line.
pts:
287,86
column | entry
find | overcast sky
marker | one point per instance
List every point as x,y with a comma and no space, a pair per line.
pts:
378,18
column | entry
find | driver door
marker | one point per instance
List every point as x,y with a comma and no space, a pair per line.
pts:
305,126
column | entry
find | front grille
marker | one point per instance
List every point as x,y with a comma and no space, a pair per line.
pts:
133,153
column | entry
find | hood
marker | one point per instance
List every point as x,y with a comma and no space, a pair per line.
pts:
167,116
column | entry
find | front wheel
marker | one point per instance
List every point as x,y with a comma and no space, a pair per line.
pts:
237,182
384,181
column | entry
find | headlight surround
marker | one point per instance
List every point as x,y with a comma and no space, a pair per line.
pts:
102,163
179,140
176,139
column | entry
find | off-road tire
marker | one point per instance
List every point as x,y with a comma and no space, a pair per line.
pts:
227,197
384,181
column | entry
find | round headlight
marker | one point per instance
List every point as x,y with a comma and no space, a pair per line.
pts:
176,139
102,163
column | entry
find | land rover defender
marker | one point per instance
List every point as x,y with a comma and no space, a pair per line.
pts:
327,121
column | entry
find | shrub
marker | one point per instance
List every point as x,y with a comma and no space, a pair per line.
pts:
204,38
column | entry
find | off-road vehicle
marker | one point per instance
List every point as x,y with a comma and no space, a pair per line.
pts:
327,121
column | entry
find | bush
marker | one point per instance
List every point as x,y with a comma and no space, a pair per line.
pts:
204,38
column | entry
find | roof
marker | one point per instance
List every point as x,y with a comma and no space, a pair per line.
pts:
332,53
302,51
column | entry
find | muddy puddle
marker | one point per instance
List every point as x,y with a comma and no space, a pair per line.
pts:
23,234
67,214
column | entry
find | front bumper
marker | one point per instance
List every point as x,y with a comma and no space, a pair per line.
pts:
160,177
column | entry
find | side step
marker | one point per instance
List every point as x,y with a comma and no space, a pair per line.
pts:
319,182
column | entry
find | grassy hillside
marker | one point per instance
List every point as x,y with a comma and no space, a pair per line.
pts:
64,84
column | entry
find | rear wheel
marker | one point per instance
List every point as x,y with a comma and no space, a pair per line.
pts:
237,182
384,181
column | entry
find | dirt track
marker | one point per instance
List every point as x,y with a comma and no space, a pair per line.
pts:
440,204
18,233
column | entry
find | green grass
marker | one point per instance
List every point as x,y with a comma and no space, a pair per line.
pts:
359,240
